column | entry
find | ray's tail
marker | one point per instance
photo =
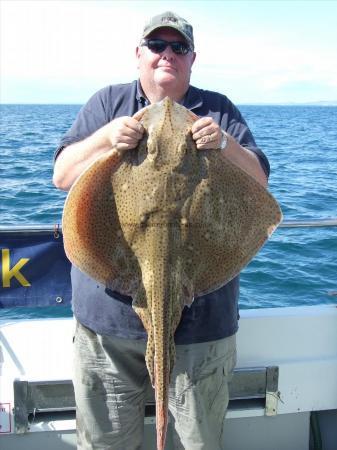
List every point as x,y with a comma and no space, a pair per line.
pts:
162,370
162,282
161,423
160,352
163,363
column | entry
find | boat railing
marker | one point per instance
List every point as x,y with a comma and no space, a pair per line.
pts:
309,223
56,228
48,263
250,387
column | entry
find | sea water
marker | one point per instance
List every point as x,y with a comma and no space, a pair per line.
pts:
297,266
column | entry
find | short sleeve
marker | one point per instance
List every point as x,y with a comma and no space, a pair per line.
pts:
238,128
90,118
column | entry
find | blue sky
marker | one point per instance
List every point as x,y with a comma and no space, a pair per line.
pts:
56,51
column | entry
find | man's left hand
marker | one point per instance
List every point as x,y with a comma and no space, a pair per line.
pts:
206,134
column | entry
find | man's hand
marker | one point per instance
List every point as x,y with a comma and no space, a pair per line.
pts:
206,133
124,133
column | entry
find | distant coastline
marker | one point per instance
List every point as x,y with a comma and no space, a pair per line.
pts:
318,103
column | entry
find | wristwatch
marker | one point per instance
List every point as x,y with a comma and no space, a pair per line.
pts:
224,140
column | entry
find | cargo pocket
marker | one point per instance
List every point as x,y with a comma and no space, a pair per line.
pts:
202,398
94,386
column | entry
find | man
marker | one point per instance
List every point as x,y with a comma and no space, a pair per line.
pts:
110,373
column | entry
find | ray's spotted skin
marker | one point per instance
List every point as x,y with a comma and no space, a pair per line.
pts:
163,223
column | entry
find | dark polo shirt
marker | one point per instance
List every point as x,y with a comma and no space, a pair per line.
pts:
213,316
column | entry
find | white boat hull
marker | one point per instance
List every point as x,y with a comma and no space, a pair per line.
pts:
300,341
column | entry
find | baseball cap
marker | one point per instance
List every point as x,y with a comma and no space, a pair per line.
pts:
171,20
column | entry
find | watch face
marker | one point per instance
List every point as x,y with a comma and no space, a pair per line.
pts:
224,141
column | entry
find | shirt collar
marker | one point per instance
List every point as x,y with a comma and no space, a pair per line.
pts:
140,96
193,98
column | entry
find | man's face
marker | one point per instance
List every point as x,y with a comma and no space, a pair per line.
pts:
166,69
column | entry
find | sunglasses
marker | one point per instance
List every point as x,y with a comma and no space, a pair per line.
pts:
159,45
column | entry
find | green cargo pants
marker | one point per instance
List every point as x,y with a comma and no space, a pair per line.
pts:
111,381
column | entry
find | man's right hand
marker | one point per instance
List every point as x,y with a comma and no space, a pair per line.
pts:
124,133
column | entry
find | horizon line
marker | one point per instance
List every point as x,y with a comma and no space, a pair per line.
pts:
308,103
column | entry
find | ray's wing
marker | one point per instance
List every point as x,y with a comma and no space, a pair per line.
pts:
93,239
230,216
